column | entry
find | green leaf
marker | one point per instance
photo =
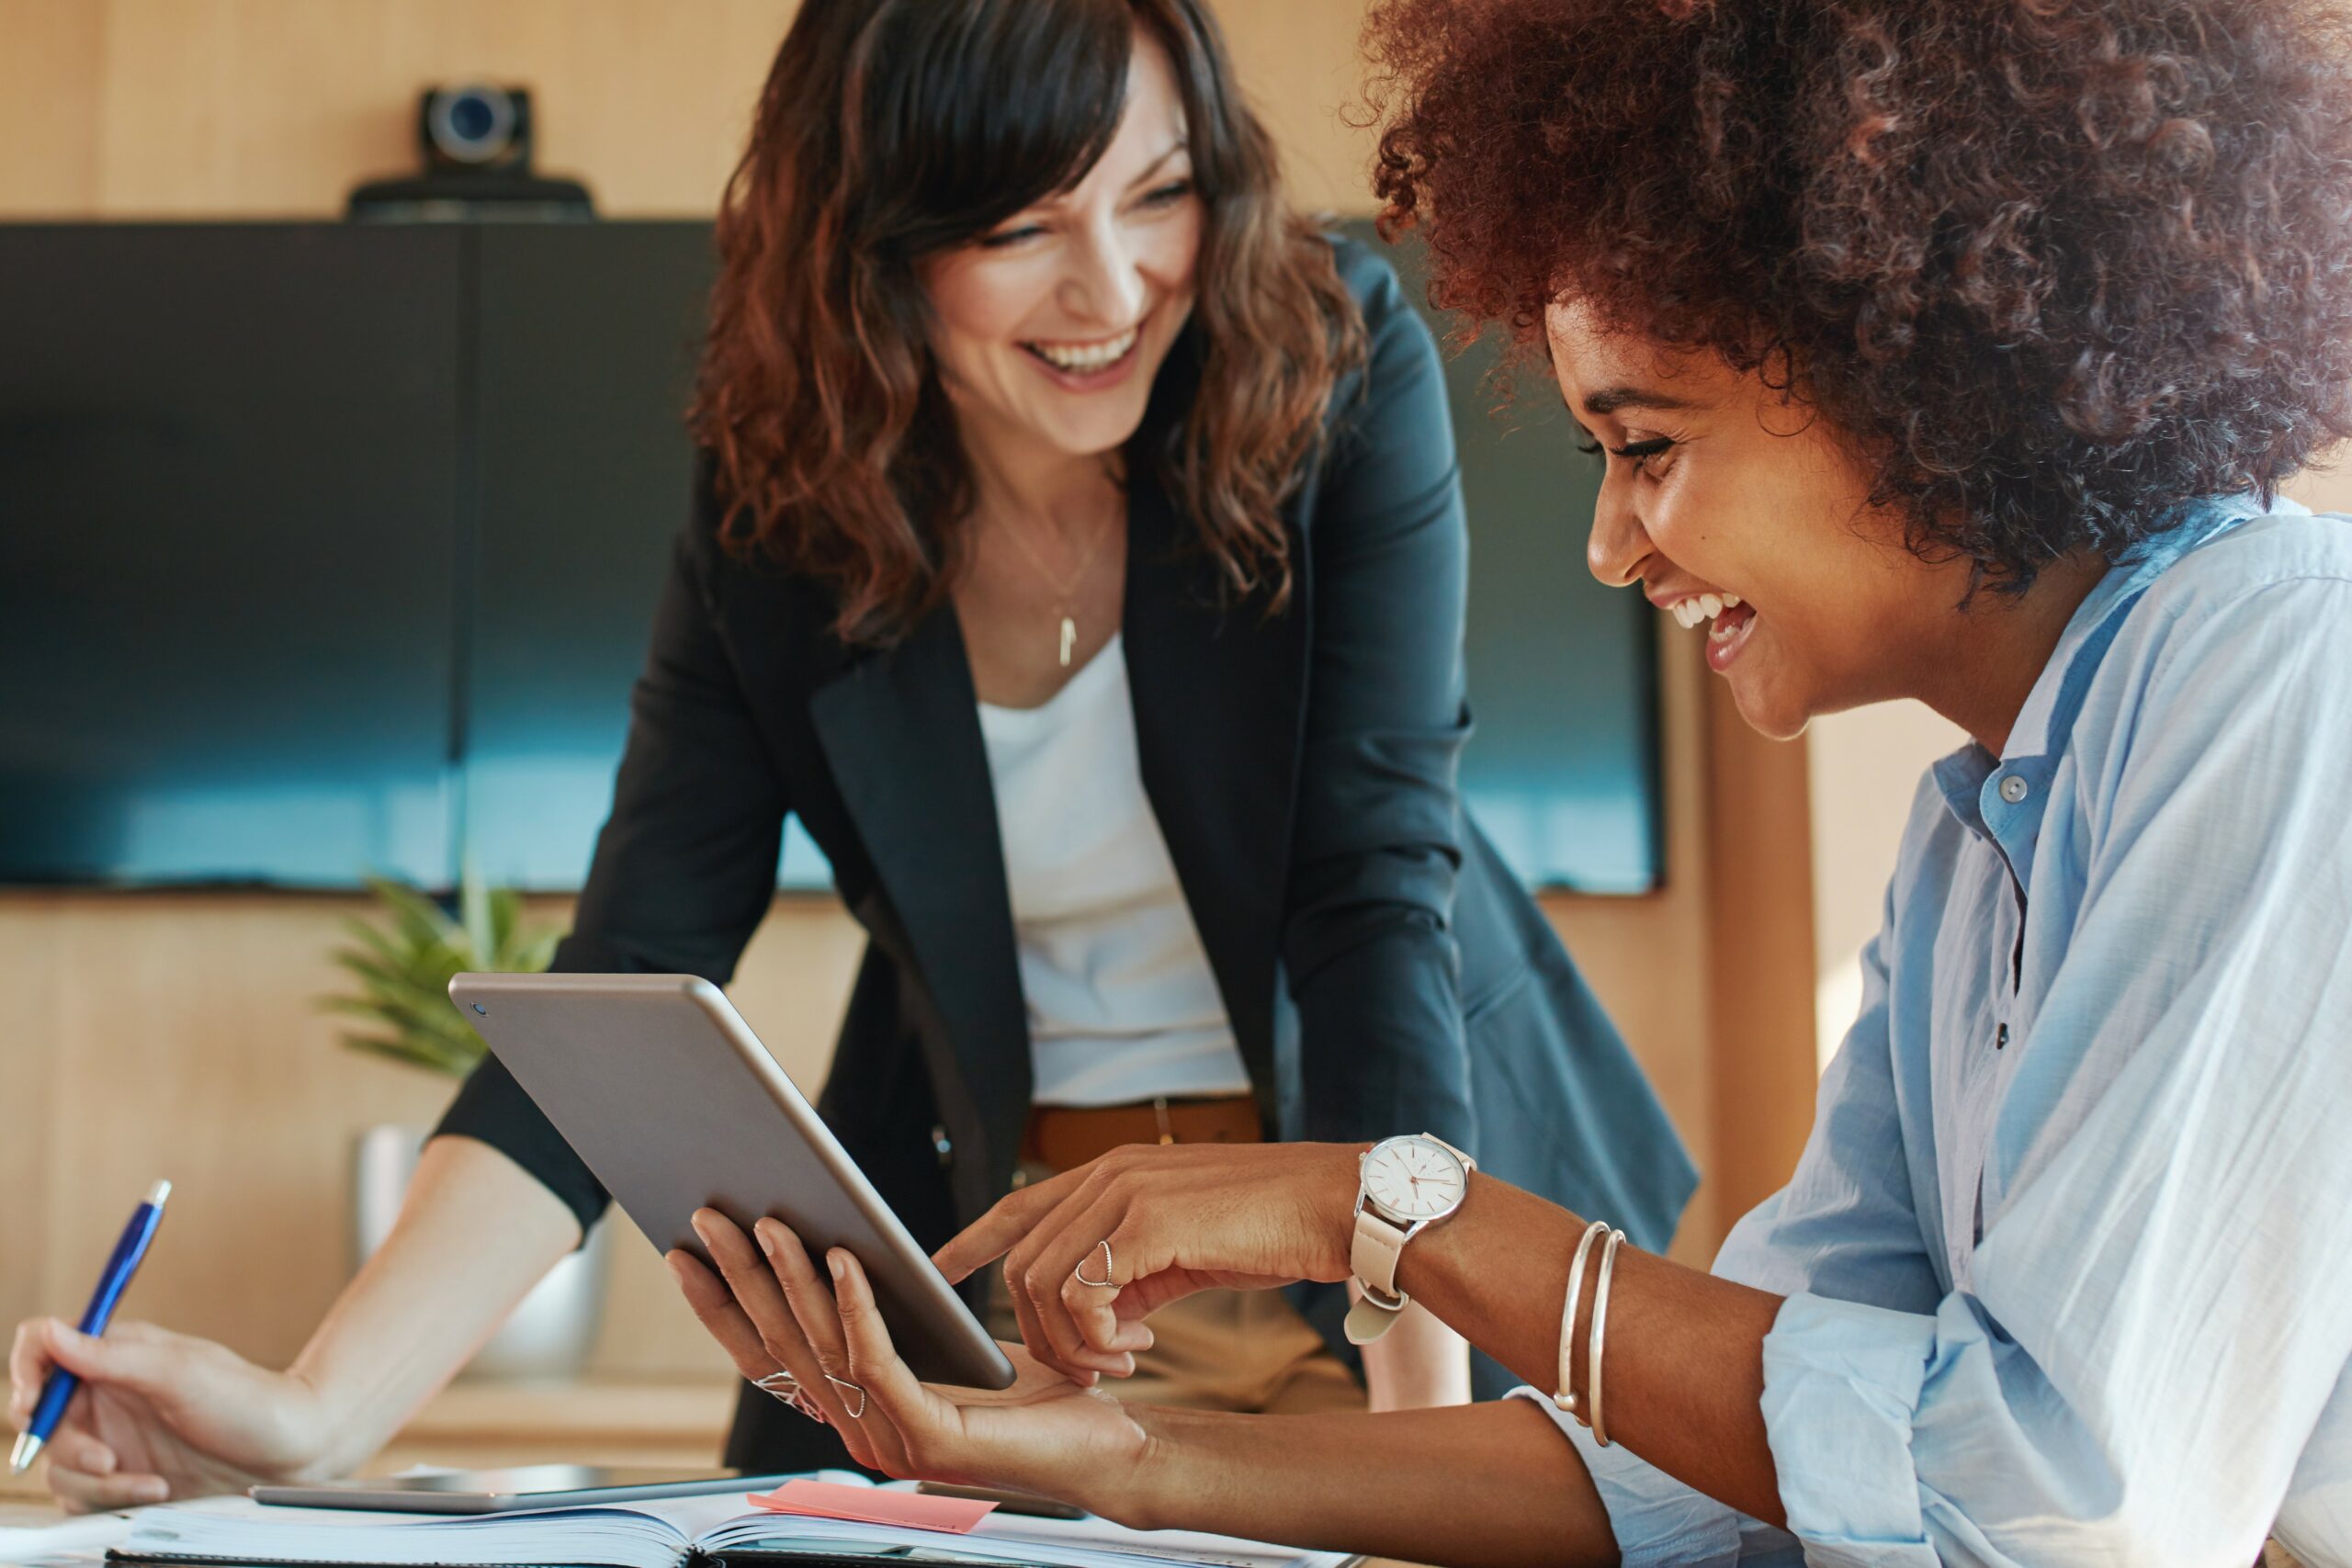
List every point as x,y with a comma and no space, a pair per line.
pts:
533,956
377,942
473,908
403,975
505,924
356,1007
419,923
399,997
366,968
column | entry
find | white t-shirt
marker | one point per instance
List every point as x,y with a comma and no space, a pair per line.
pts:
1122,1003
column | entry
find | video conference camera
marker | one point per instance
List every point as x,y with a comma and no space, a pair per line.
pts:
474,141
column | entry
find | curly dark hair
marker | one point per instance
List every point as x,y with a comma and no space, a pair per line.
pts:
2049,267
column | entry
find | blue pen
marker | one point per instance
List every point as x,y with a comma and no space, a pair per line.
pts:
57,1391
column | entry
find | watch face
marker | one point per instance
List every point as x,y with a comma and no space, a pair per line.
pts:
1414,1179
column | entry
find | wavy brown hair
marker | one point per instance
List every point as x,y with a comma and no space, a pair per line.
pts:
890,130
2052,267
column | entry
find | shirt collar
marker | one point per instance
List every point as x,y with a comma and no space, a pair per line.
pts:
2003,798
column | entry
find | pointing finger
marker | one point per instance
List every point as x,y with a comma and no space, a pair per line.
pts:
988,1237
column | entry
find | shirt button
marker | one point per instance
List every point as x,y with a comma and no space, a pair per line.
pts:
942,1143
2013,789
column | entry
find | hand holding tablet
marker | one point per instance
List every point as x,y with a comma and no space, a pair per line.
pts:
671,1099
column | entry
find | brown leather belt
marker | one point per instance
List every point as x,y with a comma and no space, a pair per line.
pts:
1061,1137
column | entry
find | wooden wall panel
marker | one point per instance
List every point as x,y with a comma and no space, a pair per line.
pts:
175,1035
1760,1055
1298,64
52,66
275,108
30,1049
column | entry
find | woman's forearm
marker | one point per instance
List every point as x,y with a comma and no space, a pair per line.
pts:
1684,1365
475,1233
1472,1485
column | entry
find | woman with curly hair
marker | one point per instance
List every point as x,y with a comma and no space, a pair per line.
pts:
1943,349
1079,553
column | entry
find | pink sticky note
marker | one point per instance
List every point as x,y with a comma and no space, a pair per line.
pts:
874,1505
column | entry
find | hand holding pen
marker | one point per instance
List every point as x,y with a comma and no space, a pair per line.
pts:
157,1414
57,1389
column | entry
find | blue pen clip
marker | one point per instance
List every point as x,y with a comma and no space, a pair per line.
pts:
57,1391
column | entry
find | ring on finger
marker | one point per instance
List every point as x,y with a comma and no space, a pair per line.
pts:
782,1384
1077,1269
858,1414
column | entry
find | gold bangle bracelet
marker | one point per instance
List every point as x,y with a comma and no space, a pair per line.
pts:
1566,1398
1600,1329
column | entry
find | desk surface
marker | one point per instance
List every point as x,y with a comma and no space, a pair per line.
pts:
485,1426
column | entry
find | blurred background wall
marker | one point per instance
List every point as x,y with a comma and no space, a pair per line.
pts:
269,109
172,1033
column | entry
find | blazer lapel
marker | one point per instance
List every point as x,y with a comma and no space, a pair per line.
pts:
902,733
1218,690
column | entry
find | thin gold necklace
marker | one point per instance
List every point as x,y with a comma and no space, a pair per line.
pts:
1065,593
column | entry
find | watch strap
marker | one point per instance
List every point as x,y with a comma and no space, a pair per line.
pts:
1367,1320
1373,1256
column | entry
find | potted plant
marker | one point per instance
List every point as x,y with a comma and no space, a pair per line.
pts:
402,1011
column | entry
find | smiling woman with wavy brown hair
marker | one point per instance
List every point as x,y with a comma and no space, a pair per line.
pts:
876,148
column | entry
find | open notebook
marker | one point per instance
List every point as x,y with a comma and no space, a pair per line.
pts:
663,1534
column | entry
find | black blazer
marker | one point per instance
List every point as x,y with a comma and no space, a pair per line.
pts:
1383,970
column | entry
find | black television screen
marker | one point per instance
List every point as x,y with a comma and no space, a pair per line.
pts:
584,374
229,484
330,549
584,369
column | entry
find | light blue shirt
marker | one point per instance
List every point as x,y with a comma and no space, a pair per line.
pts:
2068,1257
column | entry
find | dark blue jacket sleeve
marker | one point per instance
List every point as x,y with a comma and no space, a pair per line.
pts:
1369,946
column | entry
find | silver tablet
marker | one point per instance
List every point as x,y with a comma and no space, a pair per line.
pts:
530,1487
673,1101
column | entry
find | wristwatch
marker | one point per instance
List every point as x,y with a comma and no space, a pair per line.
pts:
1403,1187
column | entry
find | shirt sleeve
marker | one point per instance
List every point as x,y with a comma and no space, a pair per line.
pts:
1368,940
1847,1224
2153,1321
1658,1521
